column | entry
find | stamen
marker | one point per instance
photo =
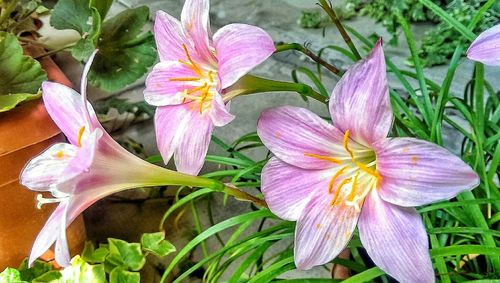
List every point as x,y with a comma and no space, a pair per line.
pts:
210,78
353,189
186,79
337,192
368,170
325,158
197,88
41,201
195,67
346,144
334,178
59,154
80,134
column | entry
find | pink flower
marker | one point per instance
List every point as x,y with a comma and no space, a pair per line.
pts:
328,177
194,70
486,47
85,170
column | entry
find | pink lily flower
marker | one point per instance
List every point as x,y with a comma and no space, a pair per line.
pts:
330,178
188,82
85,170
486,47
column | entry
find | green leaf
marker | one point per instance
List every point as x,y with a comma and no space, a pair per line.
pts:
102,6
81,271
125,54
18,73
10,101
128,255
50,277
37,269
82,49
72,14
92,255
119,275
156,243
10,275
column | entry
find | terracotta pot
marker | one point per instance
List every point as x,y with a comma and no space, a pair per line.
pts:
25,132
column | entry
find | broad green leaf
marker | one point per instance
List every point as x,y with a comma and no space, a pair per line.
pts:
102,6
156,243
37,269
92,255
119,275
10,101
72,14
81,271
82,49
127,255
125,54
10,275
18,73
50,277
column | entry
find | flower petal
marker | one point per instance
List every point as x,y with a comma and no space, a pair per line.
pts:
190,154
395,239
169,37
66,109
49,233
360,101
287,189
45,170
323,231
240,48
486,47
292,132
220,112
61,248
196,24
171,122
161,87
416,172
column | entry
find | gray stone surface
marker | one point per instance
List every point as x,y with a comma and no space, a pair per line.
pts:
127,219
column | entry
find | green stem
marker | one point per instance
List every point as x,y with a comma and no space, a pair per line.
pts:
51,52
331,13
310,54
251,84
241,195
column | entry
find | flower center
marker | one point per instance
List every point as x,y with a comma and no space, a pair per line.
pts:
356,174
200,88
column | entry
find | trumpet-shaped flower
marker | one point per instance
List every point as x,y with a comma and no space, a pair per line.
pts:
330,178
85,170
486,47
193,71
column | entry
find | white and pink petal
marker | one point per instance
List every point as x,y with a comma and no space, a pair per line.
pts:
196,26
486,47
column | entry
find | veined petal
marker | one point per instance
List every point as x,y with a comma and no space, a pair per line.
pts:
49,233
171,122
162,85
287,189
240,48
486,47
190,153
360,101
395,239
293,134
220,112
66,109
61,248
416,172
323,231
47,168
196,24
169,37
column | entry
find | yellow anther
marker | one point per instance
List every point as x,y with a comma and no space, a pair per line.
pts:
323,157
80,134
59,154
195,89
186,79
192,64
346,144
353,188
368,170
210,78
339,188
334,178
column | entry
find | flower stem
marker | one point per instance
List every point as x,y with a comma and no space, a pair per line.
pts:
251,84
331,13
241,195
310,54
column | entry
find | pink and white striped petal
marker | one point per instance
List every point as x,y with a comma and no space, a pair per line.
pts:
395,239
240,48
294,134
167,81
323,231
486,47
416,172
360,101
169,37
219,113
196,25
287,189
